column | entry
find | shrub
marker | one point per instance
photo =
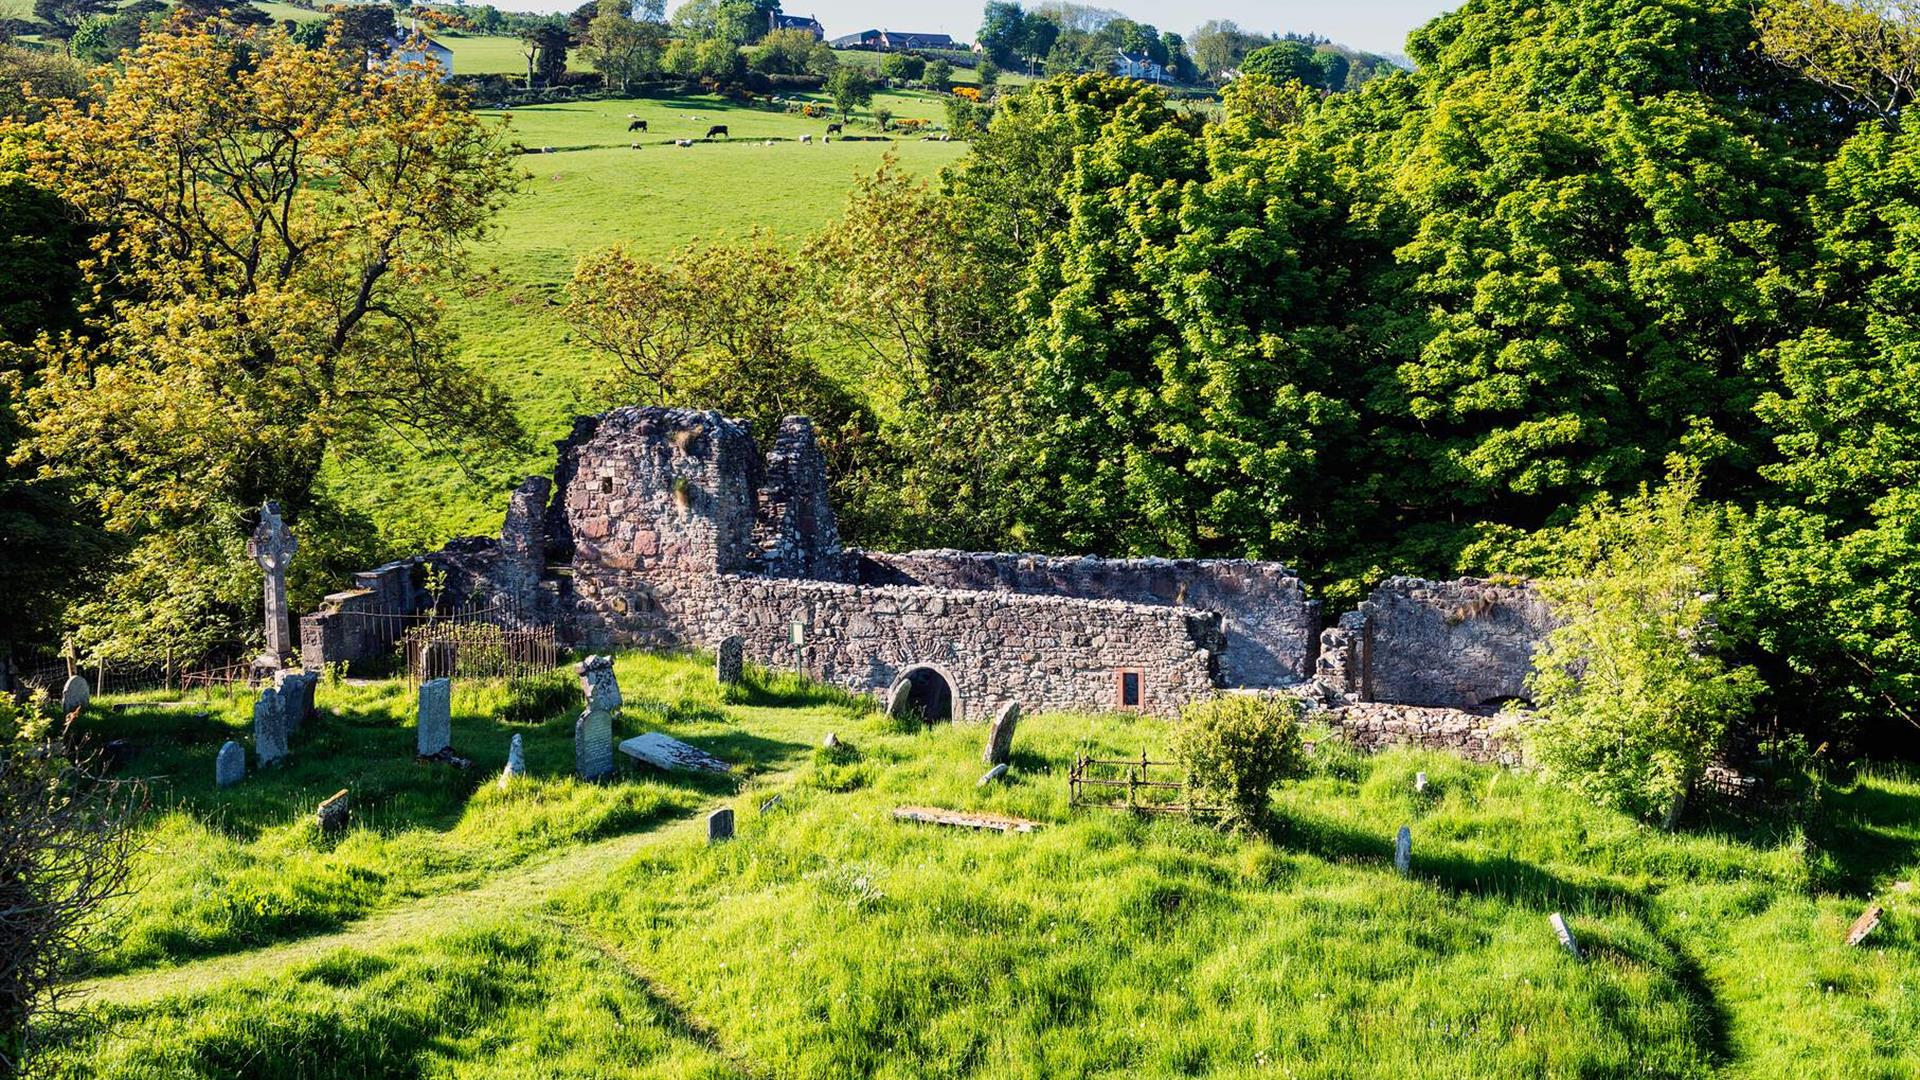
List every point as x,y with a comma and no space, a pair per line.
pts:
1237,748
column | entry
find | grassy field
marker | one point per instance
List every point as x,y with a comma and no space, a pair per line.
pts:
593,192
485,54
565,930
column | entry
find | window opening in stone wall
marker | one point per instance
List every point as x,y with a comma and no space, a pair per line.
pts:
1129,689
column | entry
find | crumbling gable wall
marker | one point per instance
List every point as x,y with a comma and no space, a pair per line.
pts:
1269,623
1458,644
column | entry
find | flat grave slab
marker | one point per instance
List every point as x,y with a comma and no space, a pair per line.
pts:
931,815
671,754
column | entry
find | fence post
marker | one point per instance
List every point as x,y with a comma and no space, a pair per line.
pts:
102,669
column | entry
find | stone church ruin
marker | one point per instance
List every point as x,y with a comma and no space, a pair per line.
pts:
669,528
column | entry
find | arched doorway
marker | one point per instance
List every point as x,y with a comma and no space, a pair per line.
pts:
924,691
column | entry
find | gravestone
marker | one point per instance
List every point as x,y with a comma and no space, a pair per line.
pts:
672,755
898,697
1565,934
1403,851
516,763
269,727
273,548
1419,783
298,691
720,825
729,663
1868,921
75,695
993,774
832,740
333,814
770,805
231,766
433,733
593,732
1000,736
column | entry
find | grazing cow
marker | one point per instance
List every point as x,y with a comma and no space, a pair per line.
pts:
637,125
718,131
836,129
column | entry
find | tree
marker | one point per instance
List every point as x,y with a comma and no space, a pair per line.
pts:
988,73
850,88
938,76
737,22
1003,30
1867,51
1334,68
622,48
547,47
362,31
63,18
1179,61
1633,694
784,52
31,76
66,847
1235,749
904,67
252,322
1286,60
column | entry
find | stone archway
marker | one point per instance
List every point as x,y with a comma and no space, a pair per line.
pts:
927,691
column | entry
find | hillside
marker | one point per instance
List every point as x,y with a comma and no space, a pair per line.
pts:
565,930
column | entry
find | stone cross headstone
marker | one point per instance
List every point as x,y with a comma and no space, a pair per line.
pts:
1403,851
729,664
1000,736
333,814
273,548
1565,933
231,766
298,690
993,774
593,732
516,763
75,695
1419,783
433,734
720,825
269,727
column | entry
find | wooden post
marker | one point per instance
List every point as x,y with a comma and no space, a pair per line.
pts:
101,669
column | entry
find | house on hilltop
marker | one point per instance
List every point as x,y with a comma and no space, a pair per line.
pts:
1132,65
894,41
417,49
807,24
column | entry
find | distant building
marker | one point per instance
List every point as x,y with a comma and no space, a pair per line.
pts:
1132,65
809,24
894,41
418,49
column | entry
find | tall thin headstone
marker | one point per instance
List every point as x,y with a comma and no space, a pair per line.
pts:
1565,933
75,695
720,825
1000,736
273,548
1403,851
1419,783
729,663
269,727
516,763
231,766
593,732
898,698
433,733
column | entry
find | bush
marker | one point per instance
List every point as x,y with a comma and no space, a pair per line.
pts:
1237,748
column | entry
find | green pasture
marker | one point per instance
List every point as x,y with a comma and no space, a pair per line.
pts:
564,930
283,12
593,192
485,54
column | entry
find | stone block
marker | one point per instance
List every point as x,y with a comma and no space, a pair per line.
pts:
729,664
720,825
433,731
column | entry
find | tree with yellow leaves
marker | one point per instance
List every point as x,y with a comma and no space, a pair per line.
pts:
271,227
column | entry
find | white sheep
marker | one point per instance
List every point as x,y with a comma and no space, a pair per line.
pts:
805,139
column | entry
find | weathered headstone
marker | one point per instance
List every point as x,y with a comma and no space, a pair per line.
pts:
898,698
729,664
1864,925
516,763
671,754
993,774
75,695
273,548
269,727
770,805
1566,935
593,732
830,741
433,732
231,766
720,825
1403,851
1419,783
333,814
1000,736
298,691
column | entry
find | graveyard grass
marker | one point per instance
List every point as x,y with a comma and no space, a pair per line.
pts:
568,930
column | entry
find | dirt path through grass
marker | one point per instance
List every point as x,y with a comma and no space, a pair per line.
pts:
522,889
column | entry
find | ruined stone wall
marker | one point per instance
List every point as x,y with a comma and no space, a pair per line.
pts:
1476,736
1047,653
1269,623
1459,643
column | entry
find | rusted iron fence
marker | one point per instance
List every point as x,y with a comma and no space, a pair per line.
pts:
1140,785
472,649
221,665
